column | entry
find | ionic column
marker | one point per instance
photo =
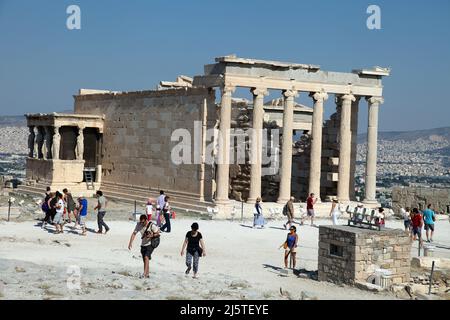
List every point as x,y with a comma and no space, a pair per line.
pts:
56,143
79,148
354,129
316,143
286,151
223,166
371,157
345,147
256,146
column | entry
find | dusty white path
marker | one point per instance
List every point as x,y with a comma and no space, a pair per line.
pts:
241,263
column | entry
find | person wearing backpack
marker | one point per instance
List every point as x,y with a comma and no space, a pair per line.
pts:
150,241
288,210
46,209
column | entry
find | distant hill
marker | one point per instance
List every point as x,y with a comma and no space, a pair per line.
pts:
431,134
12,121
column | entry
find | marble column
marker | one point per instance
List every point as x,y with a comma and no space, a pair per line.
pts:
315,168
256,144
56,143
79,148
354,129
31,140
223,165
286,151
345,147
372,145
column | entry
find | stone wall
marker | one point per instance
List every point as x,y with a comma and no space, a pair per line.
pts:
137,142
55,171
403,197
350,254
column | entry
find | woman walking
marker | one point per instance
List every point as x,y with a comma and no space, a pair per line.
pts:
335,212
149,209
195,248
58,219
166,211
258,218
290,246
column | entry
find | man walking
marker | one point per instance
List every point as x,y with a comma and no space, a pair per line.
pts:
101,207
428,219
310,202
289,209
82,213
150,241
417,224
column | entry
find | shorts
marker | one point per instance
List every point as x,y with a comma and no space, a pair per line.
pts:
146,251
429,227
417,231
293,250
310,212
82,220
407,224
58,218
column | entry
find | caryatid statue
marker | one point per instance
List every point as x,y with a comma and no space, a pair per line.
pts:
80,144
46,144
38,143
31,138
56,143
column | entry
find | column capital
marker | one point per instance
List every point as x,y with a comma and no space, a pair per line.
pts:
290,93
348,97
228,89
81,127
375,100
260,92
319,96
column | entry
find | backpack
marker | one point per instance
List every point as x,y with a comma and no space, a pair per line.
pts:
285,210
44,205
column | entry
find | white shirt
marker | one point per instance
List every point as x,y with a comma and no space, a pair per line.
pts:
61,206
161,201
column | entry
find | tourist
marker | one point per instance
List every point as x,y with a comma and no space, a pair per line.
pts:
150,241
407,219
59,208
335,213
166,211
82,213
417,224
70,205
149,209
380,218
290,246
289,210
159,206
258,218
101,207
429,217
46,209
310,202
195,248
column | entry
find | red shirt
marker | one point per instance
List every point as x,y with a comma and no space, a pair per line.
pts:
416,220
310,203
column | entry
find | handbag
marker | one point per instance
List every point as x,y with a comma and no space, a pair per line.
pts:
154,242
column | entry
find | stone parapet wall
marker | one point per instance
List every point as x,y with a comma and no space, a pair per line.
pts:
403,197
55,171
349,254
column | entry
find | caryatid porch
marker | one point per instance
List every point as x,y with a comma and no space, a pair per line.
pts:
65,151
292,79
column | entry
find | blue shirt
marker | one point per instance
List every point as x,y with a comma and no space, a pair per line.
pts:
83,211
428,215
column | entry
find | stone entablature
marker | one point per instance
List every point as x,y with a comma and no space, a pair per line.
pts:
66,120
349,254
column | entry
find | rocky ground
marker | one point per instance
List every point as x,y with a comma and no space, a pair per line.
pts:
242,263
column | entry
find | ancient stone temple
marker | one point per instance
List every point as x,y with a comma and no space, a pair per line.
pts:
124,142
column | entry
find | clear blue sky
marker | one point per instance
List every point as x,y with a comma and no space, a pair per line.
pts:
132,45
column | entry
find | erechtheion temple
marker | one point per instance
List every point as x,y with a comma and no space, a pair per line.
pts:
123,142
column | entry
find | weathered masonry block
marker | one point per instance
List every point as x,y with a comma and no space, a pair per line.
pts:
349,254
